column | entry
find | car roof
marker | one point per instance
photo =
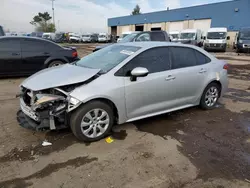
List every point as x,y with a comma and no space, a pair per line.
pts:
151,44
25,37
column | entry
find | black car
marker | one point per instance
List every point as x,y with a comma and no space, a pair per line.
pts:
243,40
142,37
26,55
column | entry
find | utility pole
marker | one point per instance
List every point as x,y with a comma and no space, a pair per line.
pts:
53,10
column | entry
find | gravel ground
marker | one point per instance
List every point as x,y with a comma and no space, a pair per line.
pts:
190,148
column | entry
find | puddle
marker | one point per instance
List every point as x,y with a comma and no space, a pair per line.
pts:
214,141
46,171
60,140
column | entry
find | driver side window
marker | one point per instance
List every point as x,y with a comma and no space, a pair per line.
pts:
155,60
143,37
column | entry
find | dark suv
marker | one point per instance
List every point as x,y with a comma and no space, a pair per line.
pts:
26,55
141,37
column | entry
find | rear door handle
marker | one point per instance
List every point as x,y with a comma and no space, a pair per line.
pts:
170,77
15,54
202,71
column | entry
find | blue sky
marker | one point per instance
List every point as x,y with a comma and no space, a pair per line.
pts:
81,16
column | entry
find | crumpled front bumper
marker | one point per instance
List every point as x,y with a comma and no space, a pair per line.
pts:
28,123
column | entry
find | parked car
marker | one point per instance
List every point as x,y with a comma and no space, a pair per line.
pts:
49,36
124,34
74,38
90,38
121,83
141,37
104,37
27,55
1,31
216,39
36,34
243,40
174,35
61,37
191,36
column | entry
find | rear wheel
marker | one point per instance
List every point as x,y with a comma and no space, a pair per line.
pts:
210,96
55,63
92,121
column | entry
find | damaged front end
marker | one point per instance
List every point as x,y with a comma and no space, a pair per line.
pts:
47,109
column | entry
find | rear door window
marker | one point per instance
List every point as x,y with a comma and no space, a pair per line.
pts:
182,57
157,36
10,45
31,45
201,59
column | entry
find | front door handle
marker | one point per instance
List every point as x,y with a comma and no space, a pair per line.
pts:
46,53
202,71
170,77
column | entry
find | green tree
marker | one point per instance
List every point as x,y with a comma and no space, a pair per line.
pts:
42,22
137,10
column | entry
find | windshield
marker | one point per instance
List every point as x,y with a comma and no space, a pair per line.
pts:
102,36
124,35
216,35
86,36
129,37
175,36
107,58
187,36
245,35
58,35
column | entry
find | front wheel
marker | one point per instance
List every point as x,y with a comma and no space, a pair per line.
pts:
210,96
92,121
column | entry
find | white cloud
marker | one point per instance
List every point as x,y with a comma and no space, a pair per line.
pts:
74,15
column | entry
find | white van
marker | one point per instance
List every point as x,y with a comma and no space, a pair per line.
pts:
49,36
103,37
191,36
174,36
216,39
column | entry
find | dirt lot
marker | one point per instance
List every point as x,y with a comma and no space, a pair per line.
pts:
190,148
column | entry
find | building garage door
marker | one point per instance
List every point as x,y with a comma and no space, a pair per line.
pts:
176,26
155,26
203,25
125,28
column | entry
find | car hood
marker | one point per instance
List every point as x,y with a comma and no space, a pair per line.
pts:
58,76
102,46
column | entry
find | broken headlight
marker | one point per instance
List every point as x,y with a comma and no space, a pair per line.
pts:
73,103
43,99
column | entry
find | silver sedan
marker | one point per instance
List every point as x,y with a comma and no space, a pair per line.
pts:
121,83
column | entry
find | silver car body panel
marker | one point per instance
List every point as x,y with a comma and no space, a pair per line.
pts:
58,76
152,95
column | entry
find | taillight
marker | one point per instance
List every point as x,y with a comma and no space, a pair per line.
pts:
74,54
226,67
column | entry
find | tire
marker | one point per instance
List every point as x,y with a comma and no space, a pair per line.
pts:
79,116
237,50
55,63
208,104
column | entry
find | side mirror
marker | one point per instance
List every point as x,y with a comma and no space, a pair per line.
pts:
204,37
228,37
138,72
